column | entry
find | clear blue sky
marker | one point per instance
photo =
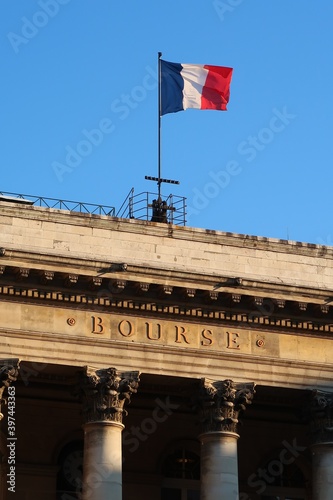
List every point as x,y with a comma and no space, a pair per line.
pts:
263,168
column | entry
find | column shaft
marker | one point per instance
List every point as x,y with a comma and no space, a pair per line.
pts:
219,467
322,476
102,465
321,426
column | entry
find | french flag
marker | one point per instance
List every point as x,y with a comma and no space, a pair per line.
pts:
195,86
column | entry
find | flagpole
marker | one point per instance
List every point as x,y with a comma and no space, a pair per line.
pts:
159,124
160,208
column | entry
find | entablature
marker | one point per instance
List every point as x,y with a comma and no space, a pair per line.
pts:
119,286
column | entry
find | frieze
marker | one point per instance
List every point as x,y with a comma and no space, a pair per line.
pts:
138,330
178,334
185,335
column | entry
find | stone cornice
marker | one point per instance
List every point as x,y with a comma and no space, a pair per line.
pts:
12,260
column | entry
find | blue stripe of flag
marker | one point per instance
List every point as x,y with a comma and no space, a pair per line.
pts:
172,86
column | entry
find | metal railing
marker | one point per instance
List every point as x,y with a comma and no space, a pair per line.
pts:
72,206
140,206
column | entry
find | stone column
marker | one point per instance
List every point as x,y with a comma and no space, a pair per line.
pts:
9,370
104,393
322,445
221,403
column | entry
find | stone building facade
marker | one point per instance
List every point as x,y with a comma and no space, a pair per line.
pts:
143,360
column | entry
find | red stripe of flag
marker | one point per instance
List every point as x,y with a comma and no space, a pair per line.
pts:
216,91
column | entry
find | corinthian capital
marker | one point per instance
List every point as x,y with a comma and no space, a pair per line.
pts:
222,402
9,370
104,393
321,417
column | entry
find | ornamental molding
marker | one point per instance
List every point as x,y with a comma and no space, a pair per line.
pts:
104,393
321,417
9,370
106,301
222,402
